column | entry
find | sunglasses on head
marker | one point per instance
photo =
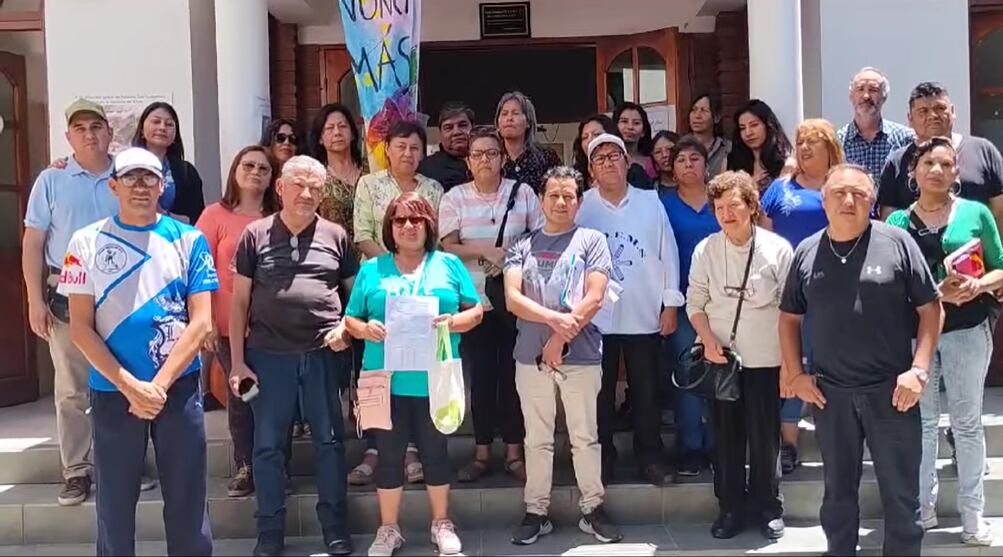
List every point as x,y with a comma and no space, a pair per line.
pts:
285,138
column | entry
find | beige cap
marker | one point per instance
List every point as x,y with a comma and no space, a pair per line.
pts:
84,105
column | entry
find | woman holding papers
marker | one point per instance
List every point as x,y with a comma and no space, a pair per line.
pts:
416,274
477,222
733,301
962,246
555,282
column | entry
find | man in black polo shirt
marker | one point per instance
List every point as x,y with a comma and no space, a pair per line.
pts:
931,114
864,292
449,165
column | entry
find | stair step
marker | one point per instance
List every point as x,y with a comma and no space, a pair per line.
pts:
671,539
29,512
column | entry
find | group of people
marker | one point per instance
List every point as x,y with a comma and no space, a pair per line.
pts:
550,279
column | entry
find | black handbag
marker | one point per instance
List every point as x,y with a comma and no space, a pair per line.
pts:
708,379
494,287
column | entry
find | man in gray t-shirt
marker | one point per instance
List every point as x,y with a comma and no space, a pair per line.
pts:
555,282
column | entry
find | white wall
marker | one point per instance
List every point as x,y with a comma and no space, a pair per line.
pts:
909,40
459,20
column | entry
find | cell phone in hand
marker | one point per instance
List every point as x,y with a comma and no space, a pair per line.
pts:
248,389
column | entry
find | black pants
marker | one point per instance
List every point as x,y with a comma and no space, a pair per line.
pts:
752,420
895,441
494,402
410,419
640,353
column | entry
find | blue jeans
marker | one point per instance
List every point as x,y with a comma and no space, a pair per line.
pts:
283,380
120,440
961,362
695,435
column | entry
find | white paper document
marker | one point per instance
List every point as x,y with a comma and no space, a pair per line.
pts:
411,337
603,319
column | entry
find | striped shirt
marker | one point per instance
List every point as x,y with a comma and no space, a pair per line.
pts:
477,217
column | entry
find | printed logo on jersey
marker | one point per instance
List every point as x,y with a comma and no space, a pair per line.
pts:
206,268
111,259
168,328
625,251
73,271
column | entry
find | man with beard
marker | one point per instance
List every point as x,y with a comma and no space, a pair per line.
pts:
449,165
931,114
868,138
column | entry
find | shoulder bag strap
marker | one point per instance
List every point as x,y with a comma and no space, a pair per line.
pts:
508,208
741,293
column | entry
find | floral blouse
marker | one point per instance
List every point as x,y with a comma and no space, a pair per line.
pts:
373,195
531,165
337,205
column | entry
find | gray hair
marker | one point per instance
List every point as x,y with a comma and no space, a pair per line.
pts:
303,165
527,108
886,86
848,167
562,173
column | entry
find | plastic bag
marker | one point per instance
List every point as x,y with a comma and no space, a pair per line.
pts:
446,401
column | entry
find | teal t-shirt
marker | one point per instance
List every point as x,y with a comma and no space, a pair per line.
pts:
444,277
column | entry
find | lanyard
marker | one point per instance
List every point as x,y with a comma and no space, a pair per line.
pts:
420,271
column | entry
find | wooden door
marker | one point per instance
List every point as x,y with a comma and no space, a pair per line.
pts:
337,82
18,372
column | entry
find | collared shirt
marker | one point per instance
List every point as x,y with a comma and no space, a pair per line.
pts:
64,201
373,195
446,169
529,167
873,154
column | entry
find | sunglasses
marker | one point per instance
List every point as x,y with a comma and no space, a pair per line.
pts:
285,138
294,244
401,222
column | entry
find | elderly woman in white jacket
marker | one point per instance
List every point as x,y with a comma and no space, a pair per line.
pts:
716,282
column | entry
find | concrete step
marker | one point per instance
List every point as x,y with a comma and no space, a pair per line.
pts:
30,515
32,461
802,538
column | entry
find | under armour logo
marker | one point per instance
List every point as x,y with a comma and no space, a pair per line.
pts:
876,270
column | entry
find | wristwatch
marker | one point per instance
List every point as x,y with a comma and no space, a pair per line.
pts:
921,373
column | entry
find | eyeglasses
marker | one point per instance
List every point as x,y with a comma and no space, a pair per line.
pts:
736,291
285,138
490,154
148,180
401,222
600,160
250,167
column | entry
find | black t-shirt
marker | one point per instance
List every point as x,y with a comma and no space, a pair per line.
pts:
981,168
860,315
446,169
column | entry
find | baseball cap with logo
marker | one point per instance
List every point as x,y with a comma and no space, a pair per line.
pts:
84,105
137,157
603,139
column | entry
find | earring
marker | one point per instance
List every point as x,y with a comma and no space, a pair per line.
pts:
956,188
913,186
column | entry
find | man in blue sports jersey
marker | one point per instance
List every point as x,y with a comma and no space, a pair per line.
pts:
139,287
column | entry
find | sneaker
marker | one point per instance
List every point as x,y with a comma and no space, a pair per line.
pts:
444,537
597,524
928,516
242,483
147,483
984,537
533,526
789,459
75,491
337,543
689,466
388,539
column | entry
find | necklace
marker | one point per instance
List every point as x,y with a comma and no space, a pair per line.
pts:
842,258
934,209
489,201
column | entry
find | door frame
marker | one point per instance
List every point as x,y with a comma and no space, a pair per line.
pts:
23,388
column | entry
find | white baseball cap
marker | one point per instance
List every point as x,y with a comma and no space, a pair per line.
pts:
137,157
603,139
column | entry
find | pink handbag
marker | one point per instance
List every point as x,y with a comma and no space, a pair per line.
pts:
372,401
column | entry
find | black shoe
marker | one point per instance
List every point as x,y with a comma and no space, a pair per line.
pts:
690,465
789,459
727,526
270,544
654,474
773,529
597,524
533,526
338,543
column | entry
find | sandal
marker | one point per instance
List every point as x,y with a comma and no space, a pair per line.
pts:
474,471
516,468
364,473
413,469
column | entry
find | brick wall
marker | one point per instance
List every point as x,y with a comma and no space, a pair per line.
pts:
282,41
732,34
308,82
